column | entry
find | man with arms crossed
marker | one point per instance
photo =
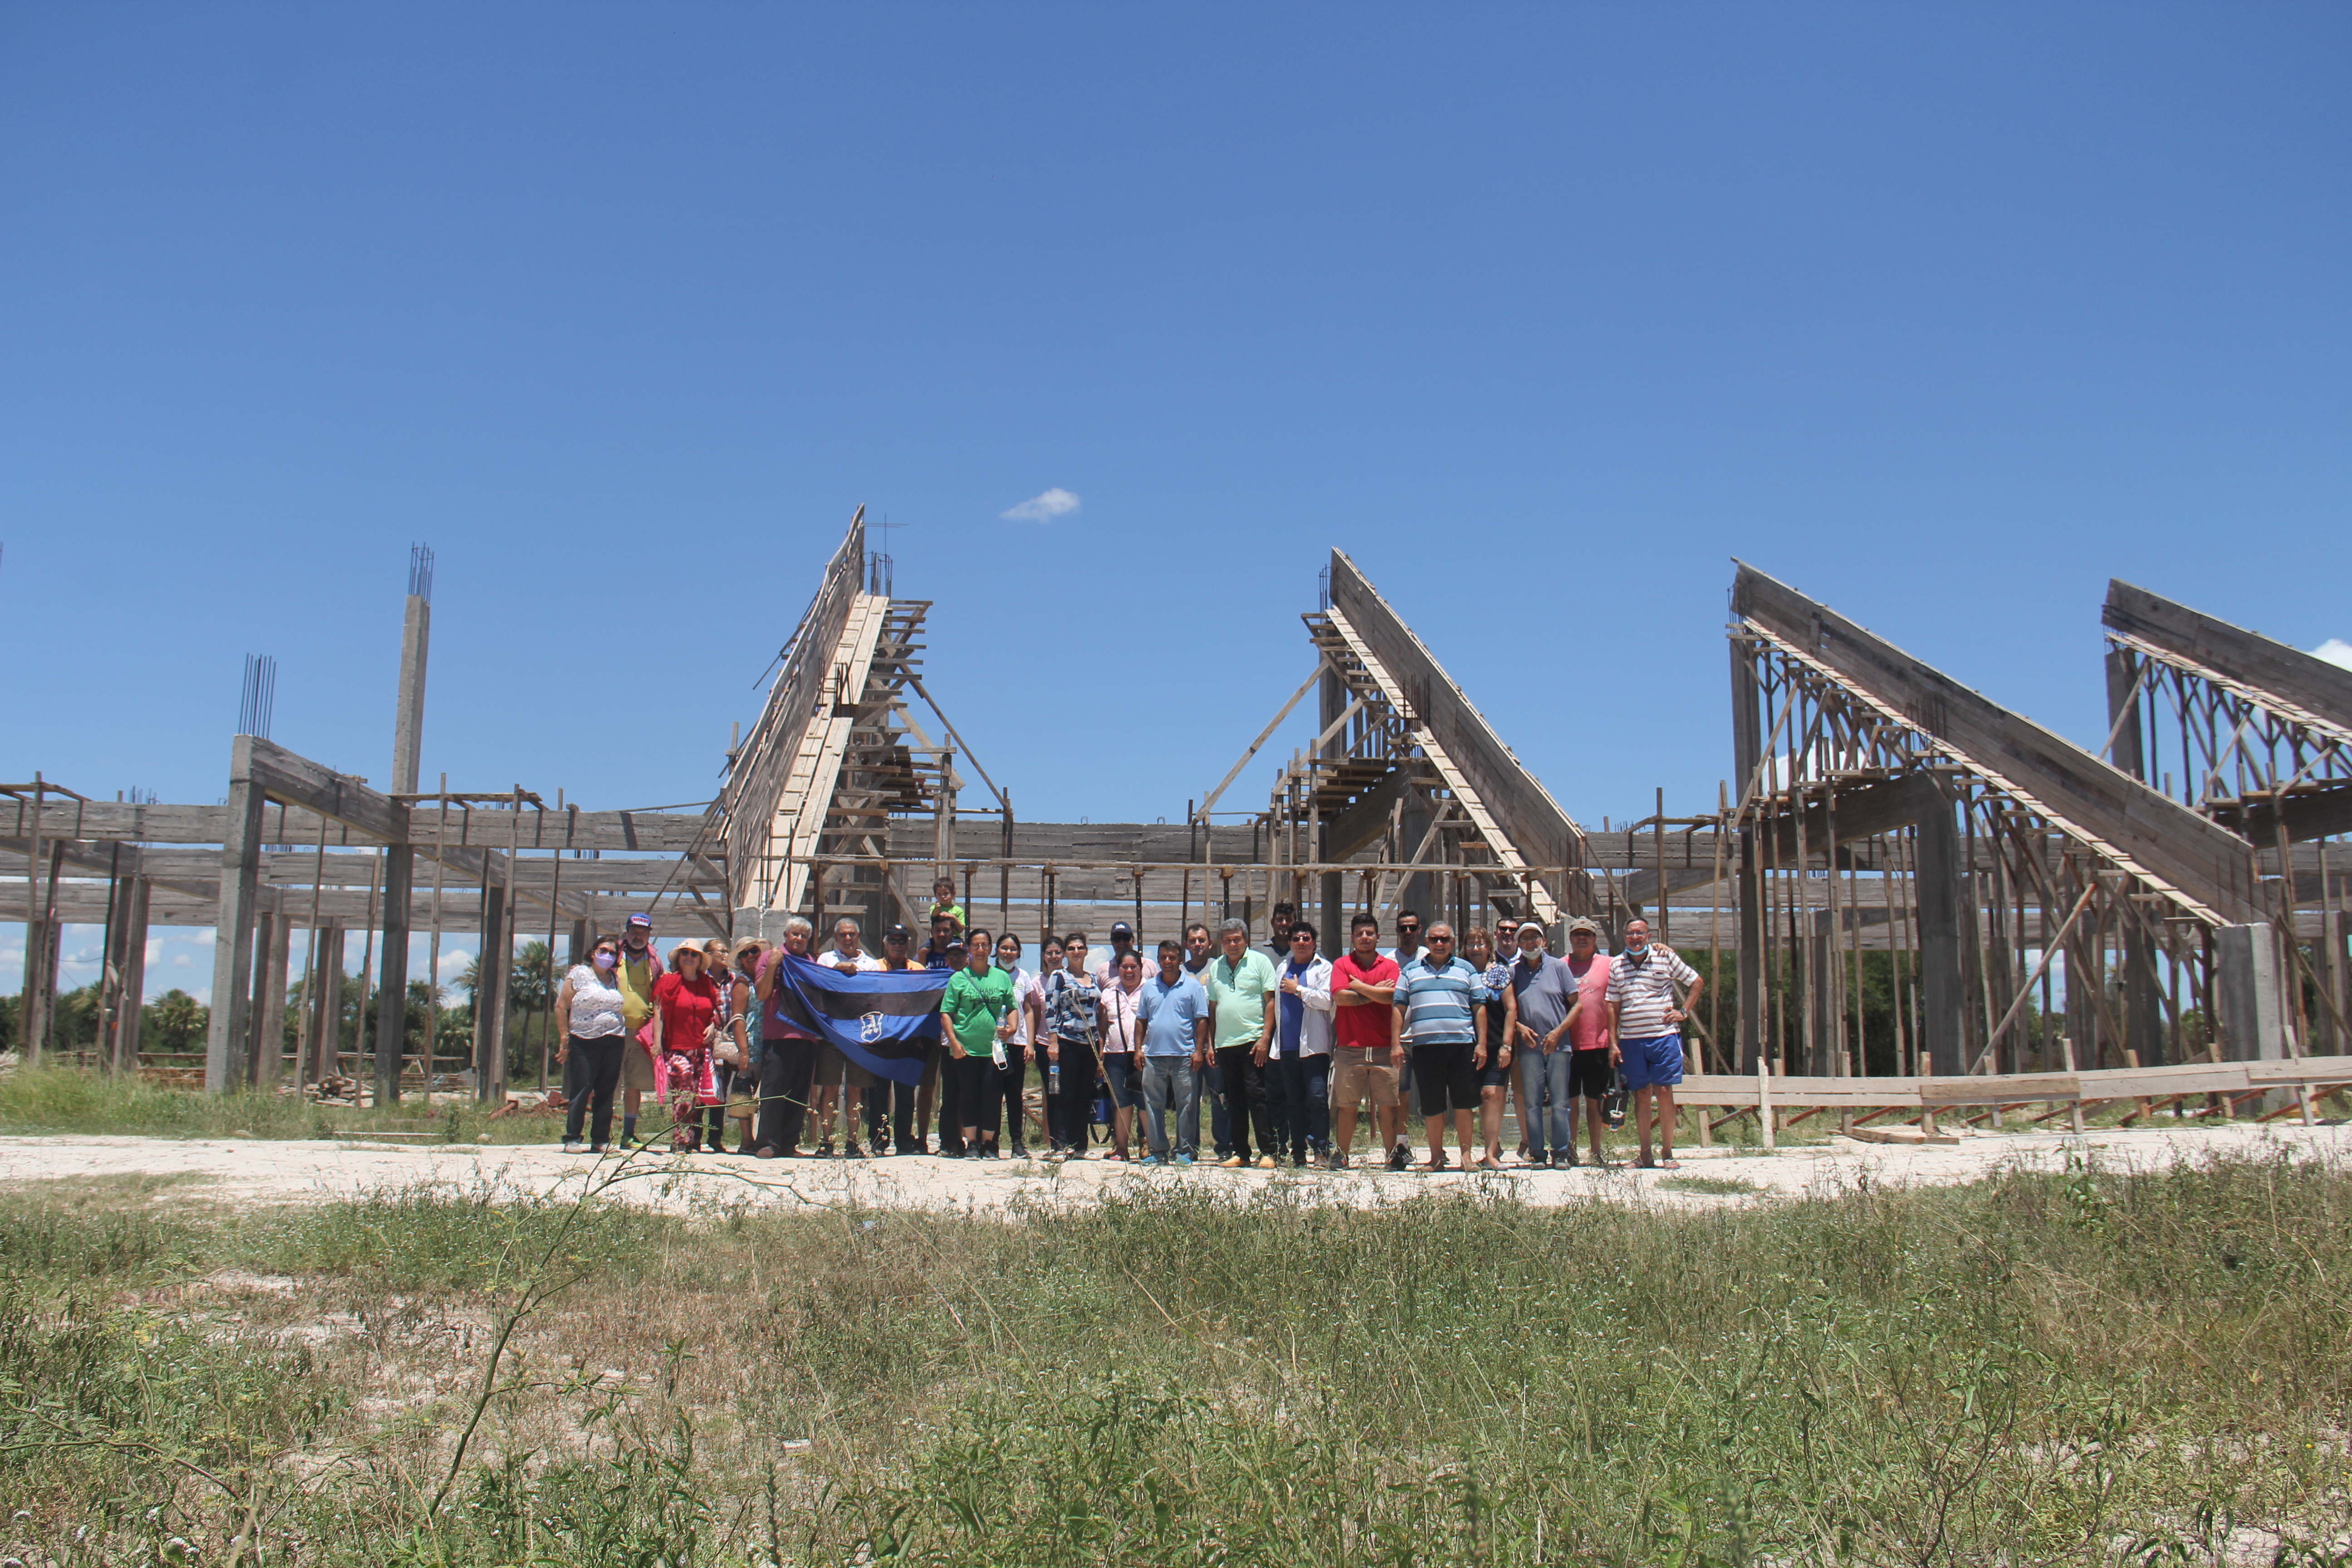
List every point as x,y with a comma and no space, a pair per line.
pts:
1646,1023
1364,1053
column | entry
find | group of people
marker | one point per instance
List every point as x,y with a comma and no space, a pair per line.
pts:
1283,1045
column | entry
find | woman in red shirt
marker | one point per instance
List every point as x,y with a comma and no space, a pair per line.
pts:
686,1006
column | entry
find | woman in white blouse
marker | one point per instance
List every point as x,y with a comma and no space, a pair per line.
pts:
590,1004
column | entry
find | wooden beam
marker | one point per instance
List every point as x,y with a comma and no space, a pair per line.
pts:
1235,771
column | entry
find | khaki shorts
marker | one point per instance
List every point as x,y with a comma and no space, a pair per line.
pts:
1358,1073
636,1067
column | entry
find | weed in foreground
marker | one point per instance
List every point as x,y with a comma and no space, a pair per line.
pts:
2066,1366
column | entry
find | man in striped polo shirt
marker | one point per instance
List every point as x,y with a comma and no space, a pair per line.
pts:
1442,1017
1644,1022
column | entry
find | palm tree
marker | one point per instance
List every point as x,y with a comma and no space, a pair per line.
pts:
175,1019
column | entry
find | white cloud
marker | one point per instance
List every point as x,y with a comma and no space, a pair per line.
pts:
453,964
1044,507
2334,650
155,955
182,961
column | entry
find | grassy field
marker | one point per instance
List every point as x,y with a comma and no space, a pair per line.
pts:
2072,1366
68,1100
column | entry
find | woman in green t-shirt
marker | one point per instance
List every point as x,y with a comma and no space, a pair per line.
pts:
979,1013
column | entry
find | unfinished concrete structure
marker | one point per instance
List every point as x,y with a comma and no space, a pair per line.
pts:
1876,807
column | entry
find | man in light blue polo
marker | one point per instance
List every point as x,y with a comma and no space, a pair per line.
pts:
1440,1015
1175,1013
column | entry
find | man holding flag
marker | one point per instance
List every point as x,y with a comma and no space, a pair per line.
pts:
880,1020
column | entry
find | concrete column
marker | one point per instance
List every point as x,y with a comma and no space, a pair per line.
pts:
253,1042
1941,981
1331,701
2247,994
133,967
392,972
495,960
240,876
326,1006
270,1059
1747,749
399,860
1820,990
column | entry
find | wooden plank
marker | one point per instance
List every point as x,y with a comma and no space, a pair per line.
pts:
2204,867
106,821
2298,1070
2001,1089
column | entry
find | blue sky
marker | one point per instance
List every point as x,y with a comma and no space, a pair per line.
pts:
1943,314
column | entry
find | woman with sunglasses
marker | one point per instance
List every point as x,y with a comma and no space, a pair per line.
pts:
591,1004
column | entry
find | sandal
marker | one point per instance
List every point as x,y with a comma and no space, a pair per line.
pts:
1670,1163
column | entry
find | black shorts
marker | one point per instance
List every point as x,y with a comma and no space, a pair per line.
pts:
1443,1074
1589,1073
1490,1076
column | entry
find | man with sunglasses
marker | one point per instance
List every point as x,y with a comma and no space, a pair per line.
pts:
1408,948
1440,1016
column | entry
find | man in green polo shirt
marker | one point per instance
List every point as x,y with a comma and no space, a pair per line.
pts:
1243,989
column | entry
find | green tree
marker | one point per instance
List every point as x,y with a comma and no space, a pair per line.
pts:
174,1021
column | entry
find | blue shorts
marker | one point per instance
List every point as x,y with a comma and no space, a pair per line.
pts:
1652,1062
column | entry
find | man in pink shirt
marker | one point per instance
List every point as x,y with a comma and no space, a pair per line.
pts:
1592,1058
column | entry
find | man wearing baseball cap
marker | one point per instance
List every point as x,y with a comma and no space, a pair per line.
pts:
639,967
1122,943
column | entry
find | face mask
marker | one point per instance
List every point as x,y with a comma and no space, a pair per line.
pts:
604,961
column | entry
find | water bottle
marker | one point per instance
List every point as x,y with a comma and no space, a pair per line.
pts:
1053,1080
996,1050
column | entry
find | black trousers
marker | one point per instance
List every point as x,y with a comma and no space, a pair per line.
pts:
1009,1082
786,1067
1068,1113
1299,1089
599,1065
902,1104
976,1087
1246,1111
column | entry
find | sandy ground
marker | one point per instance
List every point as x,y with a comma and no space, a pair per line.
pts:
253,1171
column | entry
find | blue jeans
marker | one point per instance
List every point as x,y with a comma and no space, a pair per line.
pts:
1542,1073
1298,1091
1169,1083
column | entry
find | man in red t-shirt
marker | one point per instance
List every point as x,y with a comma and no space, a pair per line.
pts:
1364,1053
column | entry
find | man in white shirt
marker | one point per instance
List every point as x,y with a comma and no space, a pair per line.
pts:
837,1076
1299,1065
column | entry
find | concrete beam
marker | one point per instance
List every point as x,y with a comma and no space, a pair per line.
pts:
2288,681
2202,867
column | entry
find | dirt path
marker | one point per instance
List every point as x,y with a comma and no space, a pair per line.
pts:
253,1171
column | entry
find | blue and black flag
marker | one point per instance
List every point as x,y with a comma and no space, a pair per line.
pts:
881,1020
